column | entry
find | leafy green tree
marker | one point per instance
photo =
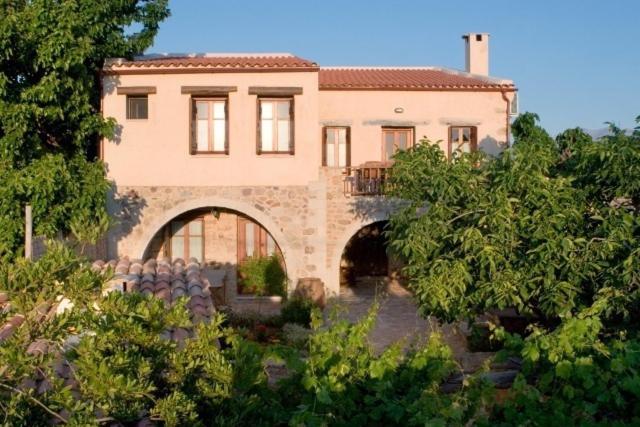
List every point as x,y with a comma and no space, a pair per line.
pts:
527,229
51,54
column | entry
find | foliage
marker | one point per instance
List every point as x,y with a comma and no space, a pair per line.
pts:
539,228
51,54
343,382
122,368
297,310
263,276
550,228
573,375
295,335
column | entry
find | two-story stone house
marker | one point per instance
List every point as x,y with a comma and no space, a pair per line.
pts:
224,156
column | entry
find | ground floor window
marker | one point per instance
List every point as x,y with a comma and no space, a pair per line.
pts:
187,239
253,240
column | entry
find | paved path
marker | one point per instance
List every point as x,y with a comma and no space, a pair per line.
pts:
398,317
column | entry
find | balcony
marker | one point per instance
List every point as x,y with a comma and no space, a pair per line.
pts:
368,179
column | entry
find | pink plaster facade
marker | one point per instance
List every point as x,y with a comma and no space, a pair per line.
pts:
297,200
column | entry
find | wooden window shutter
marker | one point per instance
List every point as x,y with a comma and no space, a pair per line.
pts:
474,138
292,125
324,146
241,244
450,141
226,126
258,127
193,143
348,148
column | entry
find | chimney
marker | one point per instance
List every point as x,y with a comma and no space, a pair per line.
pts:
476,46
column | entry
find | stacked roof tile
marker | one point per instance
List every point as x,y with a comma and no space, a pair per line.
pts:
214,62
404,79
165,280
330,78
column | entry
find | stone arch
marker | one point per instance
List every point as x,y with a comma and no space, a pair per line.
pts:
349,232
149,228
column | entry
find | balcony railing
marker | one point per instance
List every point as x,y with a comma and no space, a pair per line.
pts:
368,179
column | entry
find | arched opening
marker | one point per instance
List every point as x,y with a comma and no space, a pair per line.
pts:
366,261
234,249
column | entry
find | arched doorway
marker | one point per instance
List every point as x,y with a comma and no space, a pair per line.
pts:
365,255
222,240
367,265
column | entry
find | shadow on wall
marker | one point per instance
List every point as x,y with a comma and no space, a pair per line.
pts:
109,86
126,211
370,209
490,146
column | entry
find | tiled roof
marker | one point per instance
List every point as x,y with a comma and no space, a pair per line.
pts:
404,79
221,62
162,279
165,280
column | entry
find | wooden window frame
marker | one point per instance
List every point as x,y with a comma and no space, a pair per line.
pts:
129,109
410,141
325,131
193,142
186,236
473,138
292,124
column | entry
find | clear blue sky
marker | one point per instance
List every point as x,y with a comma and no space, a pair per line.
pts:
575,62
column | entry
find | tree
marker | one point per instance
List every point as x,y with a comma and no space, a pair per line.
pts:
51,54
547,227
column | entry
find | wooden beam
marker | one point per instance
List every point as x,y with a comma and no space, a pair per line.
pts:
275,90
208,90
136,90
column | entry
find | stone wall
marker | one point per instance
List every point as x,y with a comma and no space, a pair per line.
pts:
310,223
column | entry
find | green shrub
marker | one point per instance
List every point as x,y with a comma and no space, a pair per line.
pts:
297,310
263,276
295,335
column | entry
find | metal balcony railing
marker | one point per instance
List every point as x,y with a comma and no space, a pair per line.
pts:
368,179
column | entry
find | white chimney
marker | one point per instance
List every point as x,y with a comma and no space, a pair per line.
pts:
476,46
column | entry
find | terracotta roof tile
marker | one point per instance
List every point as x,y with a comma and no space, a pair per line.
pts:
165,280
214,62
404,79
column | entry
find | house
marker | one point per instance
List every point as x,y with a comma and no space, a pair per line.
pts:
220,157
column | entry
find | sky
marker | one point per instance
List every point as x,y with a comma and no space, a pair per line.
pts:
575,62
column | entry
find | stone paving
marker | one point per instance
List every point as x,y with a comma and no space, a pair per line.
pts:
398,318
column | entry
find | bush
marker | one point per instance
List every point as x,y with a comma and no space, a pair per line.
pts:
297,310
263,276
295,335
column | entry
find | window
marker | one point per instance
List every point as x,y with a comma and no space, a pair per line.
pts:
209,127
275,125
137,107
394,140
253,240
463,138
187,239
336,150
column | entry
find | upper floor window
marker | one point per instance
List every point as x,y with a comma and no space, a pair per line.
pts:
336,146
275,125
394,140
137,107
463,138
209,127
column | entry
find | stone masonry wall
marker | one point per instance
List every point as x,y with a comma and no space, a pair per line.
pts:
311,224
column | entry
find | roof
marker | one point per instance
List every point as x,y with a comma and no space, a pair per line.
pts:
405,78
330,78
161,279
212,62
